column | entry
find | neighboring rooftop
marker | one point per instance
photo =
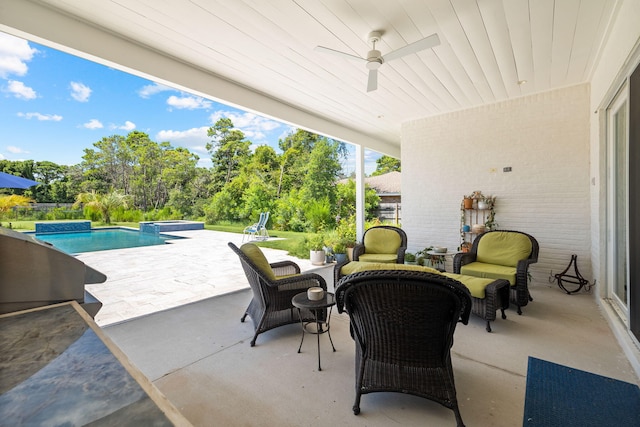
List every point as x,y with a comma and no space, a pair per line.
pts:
388,183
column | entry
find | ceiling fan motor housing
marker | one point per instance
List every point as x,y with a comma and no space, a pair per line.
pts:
374,59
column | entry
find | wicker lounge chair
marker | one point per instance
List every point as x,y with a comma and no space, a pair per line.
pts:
501,254
382,243
402,323
271,305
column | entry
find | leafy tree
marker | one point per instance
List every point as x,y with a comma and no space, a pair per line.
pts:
111,165
346,200
103,203
228,149
386,164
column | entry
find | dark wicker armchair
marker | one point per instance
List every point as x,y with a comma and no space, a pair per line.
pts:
382,243
402,323
501,254
271,305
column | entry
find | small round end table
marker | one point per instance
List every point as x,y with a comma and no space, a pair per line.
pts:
300,301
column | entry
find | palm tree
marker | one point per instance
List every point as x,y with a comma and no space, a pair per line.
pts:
103,203
11,201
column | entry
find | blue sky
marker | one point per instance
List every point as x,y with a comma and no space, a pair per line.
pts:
54,105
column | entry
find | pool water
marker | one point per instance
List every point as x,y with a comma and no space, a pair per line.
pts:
102,240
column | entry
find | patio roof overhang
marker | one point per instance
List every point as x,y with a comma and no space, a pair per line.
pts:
260,56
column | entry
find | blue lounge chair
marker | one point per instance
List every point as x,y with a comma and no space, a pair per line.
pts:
257,230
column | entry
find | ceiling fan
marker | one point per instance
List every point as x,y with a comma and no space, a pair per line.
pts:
375,59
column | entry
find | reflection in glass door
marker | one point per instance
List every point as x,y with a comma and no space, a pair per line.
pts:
618,202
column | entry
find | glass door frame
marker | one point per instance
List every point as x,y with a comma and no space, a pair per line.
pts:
619,101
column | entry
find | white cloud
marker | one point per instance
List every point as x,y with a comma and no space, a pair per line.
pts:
127,126
14,53
152,89
253,126
41,117
20,91
194,139
93,124
16,150
188,102
80,92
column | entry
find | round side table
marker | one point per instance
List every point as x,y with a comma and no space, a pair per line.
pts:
300,301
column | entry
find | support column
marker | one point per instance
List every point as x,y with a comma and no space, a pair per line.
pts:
360,214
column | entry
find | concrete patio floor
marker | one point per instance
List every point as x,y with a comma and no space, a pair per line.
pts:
199,355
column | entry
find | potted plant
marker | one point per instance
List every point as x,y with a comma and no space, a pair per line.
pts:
340,251
410,258
467,202
316,251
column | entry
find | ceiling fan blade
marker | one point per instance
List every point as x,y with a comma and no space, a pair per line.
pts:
372,83
426,43
337,52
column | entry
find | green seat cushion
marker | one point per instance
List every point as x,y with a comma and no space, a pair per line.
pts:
490,271
381,241
256,256
503,248
357,266
383,258
476,285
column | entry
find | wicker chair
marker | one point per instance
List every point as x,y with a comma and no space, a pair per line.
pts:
382,243
484,260
271,305
402,323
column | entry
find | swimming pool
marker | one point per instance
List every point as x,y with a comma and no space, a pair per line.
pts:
102,239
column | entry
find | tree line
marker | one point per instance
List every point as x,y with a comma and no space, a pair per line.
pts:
299,186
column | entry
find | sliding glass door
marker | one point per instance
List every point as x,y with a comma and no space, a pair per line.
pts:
618,207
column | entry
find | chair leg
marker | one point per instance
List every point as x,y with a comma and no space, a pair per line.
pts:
459,421
356,405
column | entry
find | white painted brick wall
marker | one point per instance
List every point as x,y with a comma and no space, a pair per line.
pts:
544,138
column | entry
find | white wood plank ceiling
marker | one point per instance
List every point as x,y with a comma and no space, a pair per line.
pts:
488,47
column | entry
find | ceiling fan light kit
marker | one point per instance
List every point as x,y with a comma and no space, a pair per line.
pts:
375,59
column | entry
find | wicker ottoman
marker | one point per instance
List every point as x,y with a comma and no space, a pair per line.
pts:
487,295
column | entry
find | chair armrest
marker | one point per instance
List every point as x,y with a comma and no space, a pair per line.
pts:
401,251
300,281
285,268
461,259
357,251
522,272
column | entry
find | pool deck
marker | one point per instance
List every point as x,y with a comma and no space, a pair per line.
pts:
145,280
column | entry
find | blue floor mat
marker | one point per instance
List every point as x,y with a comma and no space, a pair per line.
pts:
560,396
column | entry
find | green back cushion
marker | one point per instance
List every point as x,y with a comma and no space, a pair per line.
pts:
357,266
503,248
256,256
381,241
